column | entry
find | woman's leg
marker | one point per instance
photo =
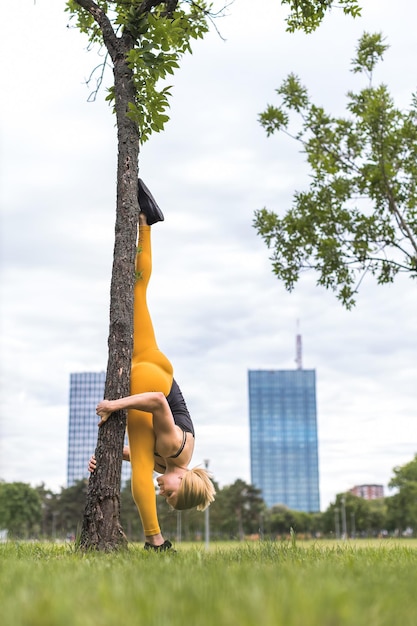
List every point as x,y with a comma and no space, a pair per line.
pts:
155,369
151,371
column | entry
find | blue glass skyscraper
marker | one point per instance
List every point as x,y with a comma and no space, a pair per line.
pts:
283,437
86,390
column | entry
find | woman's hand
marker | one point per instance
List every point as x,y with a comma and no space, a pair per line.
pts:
126,453
104,410
92,464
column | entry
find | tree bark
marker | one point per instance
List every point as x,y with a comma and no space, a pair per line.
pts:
101,528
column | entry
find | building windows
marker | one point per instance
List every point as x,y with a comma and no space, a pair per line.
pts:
86,390
283,437
368,492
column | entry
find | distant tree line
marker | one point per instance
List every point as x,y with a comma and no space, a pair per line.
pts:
238,512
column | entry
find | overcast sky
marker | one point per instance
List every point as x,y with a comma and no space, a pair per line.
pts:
217,308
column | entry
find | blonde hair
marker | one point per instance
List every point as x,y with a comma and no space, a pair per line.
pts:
196,490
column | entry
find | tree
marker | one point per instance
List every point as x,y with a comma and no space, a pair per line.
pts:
49,505
280,520
307,15
240,507
359,214
144,41
377,515
20,509
69,508
402,506
363,517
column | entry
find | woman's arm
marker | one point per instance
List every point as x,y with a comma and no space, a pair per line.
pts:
168,435
152,402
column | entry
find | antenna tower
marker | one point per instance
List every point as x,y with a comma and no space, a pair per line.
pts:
298,348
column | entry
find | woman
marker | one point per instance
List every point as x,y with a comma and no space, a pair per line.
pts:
159,426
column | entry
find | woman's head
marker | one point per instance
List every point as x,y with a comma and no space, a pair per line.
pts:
196,490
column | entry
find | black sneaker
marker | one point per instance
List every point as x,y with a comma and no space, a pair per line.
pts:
148,205
167,545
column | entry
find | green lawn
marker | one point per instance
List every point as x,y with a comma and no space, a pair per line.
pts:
254,584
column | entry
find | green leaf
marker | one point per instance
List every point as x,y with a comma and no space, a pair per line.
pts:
359,214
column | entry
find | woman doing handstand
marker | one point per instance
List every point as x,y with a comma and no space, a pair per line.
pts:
159,426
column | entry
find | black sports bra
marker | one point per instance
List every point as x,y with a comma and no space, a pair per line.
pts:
179,409
181,417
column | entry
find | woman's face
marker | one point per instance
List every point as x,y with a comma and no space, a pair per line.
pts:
169,484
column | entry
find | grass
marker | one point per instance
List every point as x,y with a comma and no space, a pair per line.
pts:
254,584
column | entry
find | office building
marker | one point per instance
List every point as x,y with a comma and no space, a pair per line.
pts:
283,437
86,390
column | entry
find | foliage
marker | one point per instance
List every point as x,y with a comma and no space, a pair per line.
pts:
159,37
20,509
359,214
162,32
377,516
237,513
70,507
62,512
402,506
240,506
49,504
272,583
362,517
163,41
307,15
279,521
405,475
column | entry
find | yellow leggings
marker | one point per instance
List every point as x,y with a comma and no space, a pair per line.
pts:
151,371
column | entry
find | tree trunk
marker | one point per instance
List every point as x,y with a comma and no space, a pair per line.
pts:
101,528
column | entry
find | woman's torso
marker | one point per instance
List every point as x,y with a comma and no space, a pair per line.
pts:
180,458
184,433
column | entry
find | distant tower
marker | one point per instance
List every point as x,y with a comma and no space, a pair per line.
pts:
298,348
86,390
283,436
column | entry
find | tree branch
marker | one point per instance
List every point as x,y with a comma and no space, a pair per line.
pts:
402,225
109,36
99,80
